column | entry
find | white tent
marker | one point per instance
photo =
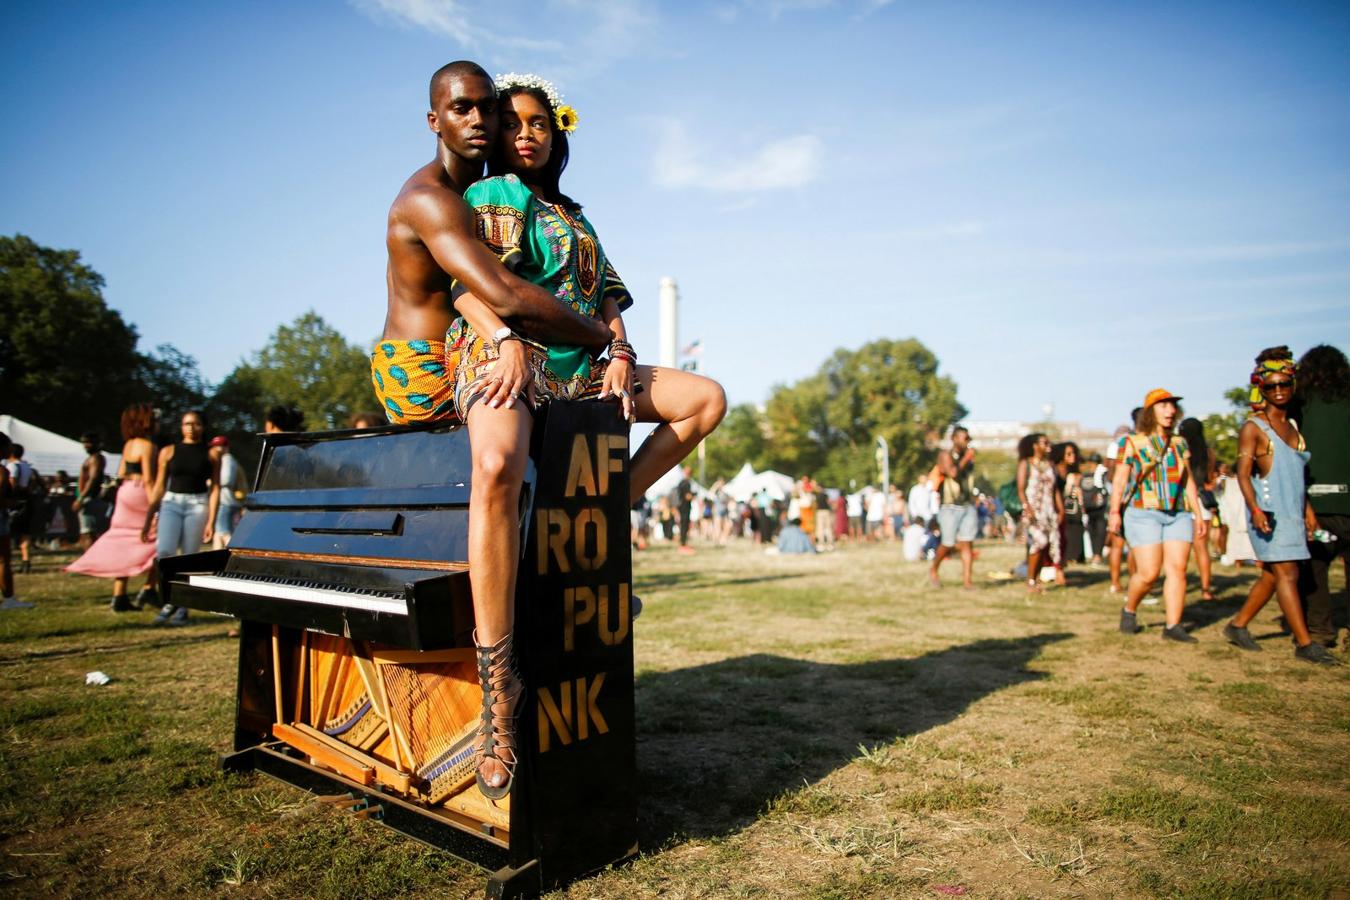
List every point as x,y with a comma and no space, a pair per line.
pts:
667,482
49,452
748,483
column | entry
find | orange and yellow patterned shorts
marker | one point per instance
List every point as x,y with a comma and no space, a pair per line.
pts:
412,381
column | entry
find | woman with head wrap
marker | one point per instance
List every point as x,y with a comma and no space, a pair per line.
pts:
1272,459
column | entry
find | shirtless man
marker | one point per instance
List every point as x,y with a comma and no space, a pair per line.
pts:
89,502
432,240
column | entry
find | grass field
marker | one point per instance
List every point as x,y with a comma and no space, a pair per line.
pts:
824,727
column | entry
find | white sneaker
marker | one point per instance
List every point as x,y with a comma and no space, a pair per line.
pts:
1149,601
14,603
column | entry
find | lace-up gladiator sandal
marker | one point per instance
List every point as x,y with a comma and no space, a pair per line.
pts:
497,731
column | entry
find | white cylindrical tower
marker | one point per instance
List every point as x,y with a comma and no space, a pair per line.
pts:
670,323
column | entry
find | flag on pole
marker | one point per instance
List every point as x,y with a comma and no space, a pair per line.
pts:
694,349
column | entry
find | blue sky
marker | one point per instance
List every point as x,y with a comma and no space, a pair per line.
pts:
1067,202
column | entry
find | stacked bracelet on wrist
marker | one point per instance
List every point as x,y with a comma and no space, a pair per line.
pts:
621,349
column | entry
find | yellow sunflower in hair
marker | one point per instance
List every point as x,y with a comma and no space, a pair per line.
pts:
566,119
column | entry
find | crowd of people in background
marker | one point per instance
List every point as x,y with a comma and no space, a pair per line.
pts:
1153,501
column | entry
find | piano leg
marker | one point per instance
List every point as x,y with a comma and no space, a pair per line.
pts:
507,883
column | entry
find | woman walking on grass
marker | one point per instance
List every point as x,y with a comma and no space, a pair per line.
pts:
1159,528
1272,458
1041,507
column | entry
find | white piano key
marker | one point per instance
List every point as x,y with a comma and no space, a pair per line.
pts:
326,596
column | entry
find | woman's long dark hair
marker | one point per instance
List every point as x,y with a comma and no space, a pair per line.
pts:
1323,372
1026,447
549,176
1194,433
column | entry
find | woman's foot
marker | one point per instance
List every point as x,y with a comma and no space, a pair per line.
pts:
1239,636
1207,594
496,743
121,603
1315,653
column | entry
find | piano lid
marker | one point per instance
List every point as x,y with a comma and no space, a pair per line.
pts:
392,458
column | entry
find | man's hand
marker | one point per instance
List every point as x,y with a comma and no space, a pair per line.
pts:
619,384
511,376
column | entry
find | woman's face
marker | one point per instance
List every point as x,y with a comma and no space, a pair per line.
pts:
527,134
1165,413
192,428
1070,456
1042,447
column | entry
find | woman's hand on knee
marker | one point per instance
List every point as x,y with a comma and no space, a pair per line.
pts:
618,383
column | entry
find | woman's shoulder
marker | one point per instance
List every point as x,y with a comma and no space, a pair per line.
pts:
499,190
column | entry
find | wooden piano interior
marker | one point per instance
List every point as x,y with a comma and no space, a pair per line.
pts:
357,676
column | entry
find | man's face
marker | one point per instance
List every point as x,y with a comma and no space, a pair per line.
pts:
960,442
465,116
90,446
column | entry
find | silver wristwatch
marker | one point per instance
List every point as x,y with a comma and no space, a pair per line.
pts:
502,334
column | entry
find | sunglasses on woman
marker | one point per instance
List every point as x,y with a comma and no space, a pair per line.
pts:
1272,386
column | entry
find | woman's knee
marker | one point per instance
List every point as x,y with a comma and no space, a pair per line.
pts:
498,466
712,404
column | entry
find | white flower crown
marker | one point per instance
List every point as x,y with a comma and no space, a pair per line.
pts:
565,117
516,80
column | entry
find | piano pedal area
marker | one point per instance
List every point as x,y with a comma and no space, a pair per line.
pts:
403,722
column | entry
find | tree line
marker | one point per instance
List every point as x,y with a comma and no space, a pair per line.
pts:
70,364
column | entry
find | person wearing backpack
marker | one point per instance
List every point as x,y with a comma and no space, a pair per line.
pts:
1158,525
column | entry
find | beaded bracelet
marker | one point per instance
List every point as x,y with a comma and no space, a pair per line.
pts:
621,349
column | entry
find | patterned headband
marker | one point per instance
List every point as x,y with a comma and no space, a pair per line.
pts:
1264,370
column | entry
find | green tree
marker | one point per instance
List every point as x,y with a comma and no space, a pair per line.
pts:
1221,429
738,440
170,381
307,364
826,425
68,363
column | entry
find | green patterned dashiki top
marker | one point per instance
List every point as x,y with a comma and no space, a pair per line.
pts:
551,246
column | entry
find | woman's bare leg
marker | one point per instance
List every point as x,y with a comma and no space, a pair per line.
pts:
688,406
1175,555
500,442
1148,561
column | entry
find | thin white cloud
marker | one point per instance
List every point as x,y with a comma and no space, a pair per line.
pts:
560,31
787,163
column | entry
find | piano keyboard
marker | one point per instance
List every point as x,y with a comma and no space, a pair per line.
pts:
352,598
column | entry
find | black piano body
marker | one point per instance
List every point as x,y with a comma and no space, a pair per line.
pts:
362,535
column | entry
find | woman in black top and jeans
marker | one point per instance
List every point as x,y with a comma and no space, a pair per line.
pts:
186,494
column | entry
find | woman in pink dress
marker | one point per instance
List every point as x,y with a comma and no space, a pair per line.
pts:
121,553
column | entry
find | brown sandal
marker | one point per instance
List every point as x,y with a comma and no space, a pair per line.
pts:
497,732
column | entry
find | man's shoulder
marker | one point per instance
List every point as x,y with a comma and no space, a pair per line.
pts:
424,194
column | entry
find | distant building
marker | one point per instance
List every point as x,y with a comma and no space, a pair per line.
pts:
1004,435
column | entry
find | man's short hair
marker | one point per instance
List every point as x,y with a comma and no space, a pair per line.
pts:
449,70
961,428
89,437
16,451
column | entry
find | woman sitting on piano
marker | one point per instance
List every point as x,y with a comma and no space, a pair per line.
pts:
541,234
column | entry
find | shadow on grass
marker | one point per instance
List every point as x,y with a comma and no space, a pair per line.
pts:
716,743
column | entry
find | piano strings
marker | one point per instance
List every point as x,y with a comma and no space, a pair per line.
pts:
404,719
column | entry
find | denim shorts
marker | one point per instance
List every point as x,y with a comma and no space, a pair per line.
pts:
1144,527
959,524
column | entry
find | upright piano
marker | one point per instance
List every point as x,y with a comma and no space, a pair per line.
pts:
357,677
